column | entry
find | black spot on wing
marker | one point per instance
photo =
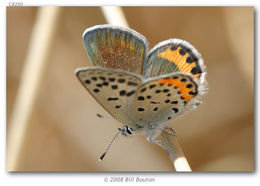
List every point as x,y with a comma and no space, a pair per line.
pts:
102,78
130,93
122,93
131,83
193,93
96,90
121,80
189,86
140,98
111,79
112,99
118,106
140,109
114,87
99,85
175,110
166,90
143,89
182,51
152,86
105,83
87,81
174,47
167,101
183,80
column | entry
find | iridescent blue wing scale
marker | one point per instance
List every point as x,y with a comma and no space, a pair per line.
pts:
115,47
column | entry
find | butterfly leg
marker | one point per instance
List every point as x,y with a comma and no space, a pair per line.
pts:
157,142
170,131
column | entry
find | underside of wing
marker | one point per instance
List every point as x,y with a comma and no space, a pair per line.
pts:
162,98
112,89
115,47
174,55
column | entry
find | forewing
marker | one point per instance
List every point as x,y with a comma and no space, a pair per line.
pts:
174,55
115,47
113,89
161,99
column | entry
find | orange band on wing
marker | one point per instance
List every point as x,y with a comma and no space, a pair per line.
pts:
179,60
182,86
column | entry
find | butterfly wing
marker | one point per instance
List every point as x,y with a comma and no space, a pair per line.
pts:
115,47
162,98
113,89
174,55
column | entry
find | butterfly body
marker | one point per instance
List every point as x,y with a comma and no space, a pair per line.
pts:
143,91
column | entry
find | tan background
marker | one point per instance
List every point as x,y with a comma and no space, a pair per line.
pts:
64,133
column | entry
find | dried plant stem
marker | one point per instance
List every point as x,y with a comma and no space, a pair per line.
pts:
39,48
175,152
115,16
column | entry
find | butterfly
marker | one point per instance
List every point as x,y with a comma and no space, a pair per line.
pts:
141,90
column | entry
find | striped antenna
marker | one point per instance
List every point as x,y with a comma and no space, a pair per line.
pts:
109,145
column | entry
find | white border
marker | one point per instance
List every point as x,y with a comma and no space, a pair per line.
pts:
65,179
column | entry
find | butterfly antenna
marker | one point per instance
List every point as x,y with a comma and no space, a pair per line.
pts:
109,145
106,117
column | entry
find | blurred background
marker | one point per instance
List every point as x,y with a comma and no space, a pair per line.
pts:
64,133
